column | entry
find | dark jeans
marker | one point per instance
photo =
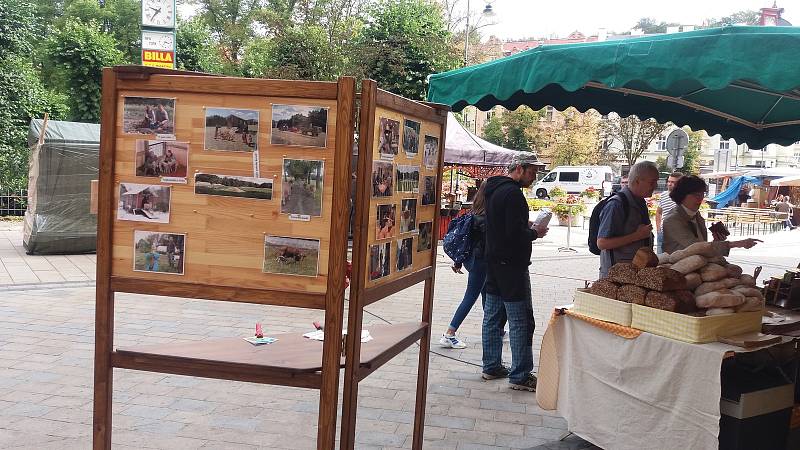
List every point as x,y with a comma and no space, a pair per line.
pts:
496,310
476,285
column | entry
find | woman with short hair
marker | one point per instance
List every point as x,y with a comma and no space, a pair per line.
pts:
685,226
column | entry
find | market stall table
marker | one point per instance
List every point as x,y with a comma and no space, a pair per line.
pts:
635,392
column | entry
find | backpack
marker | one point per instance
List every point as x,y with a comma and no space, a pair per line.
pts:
457,243
594,221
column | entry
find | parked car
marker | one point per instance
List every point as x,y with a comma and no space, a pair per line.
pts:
575,179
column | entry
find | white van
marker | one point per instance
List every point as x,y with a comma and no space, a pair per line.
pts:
575,179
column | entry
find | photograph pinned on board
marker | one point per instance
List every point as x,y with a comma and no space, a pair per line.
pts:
386,221
430,156
425,236
389,139
162,159
158,252
382,179
379,260
408,215
301,187
404,253
407,178
233,186
144,202
429,191
299,125
231,130
148,115
411,138
291,256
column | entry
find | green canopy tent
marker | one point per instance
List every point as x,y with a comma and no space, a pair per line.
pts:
740,82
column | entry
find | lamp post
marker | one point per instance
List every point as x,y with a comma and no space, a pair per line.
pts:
487,12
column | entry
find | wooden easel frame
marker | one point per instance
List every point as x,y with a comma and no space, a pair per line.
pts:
332,301
360,294
310,369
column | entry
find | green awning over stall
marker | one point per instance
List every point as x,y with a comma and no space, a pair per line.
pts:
740,82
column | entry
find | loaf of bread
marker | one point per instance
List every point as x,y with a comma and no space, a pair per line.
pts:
663,258
747,280
604,288
723,298
623,273
630,293
689,264
719,260
693,280
713,272
734,271
645,257
748,291
710,286
731,282
660,279
675,301
751,304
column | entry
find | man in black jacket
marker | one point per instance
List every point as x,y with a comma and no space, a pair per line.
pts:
508,285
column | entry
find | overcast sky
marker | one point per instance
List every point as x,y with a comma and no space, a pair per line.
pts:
517,19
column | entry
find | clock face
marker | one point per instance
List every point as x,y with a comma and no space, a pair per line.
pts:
154,40
158,13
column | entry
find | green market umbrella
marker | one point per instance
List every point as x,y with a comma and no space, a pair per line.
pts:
740,82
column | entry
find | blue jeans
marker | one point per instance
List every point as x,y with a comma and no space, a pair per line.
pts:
660,242
519,314
476,285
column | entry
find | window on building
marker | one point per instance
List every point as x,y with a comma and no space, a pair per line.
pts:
490,114
661,143
724,145
548,113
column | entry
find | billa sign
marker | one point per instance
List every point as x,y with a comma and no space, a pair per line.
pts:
158,58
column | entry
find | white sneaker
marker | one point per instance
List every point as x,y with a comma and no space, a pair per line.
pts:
448,341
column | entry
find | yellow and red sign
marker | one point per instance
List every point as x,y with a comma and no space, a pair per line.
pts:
158,58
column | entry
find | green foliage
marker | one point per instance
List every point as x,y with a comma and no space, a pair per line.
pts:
493,131
691,157
196,49
661,162
22,98
535,204
744,17
77,54
17,26
513,129
232,24
302,53
403,43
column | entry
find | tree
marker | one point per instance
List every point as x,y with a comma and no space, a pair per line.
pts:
648,25
493,131
195,49
574,142
744,17
304,53
403,43
631,136
231,23
691,157
76,55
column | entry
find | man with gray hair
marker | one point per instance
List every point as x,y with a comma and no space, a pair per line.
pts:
625,222
507,253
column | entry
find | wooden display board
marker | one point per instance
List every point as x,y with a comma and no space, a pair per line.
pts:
234,189
378,110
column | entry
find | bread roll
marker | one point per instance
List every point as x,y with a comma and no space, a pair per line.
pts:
645,257
713,272
747,280
751,304
710,286
723,298
693,280
748,291
734,271
689,264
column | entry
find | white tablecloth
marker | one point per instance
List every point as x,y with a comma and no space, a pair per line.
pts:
649,392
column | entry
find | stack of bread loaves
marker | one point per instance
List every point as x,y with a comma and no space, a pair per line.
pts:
691,281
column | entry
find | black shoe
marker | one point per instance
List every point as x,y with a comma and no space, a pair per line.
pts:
500,372
528,385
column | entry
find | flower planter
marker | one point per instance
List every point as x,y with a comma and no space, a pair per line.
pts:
564,220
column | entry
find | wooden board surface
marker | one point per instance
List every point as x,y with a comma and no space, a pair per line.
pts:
424,213
224,236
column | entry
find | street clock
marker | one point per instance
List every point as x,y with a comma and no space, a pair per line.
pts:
158,13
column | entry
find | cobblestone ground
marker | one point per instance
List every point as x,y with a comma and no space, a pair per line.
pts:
46,351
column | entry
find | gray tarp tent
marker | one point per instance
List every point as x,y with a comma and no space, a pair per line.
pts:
63,161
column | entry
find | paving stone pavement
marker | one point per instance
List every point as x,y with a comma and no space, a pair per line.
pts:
46,359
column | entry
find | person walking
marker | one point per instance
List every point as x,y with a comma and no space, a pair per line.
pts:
476,266
783,206
665,207
508,285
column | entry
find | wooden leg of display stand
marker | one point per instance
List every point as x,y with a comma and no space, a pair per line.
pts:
350,395
422,370
103,372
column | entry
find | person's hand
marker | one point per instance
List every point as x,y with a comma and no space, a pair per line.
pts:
541,230
746,243
643,232
718,236
456,268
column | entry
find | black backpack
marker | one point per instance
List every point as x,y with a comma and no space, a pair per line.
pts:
594,221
